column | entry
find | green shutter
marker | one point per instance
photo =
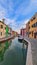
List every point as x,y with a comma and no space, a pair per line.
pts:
7,30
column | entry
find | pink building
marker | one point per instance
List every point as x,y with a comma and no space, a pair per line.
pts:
23,32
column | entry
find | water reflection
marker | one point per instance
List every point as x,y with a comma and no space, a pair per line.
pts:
24,50
3,47
15,54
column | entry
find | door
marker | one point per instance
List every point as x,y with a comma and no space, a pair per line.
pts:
34,35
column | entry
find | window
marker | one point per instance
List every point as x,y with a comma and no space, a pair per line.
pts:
32,18
29,27
1,26
32,33
29,22
1,33
34,25
29,32
5,28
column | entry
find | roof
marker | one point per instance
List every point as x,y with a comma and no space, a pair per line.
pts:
35,15
5,24
23,29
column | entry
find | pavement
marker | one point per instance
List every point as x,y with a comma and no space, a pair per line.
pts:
33,43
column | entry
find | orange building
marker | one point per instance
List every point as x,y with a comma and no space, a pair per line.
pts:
27,29
32,27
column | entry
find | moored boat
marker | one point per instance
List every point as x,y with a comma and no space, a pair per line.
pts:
20,38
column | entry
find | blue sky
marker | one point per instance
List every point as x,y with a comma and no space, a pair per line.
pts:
17,12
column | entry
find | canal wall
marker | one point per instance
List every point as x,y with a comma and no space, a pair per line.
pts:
6,38
29,54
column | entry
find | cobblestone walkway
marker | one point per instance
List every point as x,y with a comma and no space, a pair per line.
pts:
33,49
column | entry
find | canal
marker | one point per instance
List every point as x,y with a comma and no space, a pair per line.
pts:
13,52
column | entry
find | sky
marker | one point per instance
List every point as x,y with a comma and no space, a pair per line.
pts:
17,12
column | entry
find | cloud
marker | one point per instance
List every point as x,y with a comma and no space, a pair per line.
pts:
2,12
19,10
11,23
22,9
26,21
8,21
23,24
25,10
34,2
7,5
10,6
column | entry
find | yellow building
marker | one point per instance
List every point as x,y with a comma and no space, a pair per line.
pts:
3,29
27,29
32,27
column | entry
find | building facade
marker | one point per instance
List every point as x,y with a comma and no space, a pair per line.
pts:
32,27
14,33
27,29
3,29
23,32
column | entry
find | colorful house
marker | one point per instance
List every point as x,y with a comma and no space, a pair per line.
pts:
4,29
23,32
32,27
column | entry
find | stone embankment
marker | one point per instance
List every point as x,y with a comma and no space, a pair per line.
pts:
6,38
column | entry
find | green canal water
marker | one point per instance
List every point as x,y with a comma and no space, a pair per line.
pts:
12,52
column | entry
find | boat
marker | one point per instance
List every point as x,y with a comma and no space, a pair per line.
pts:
20,38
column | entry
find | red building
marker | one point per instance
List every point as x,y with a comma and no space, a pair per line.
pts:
23,32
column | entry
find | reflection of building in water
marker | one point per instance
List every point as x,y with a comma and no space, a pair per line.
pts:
3,47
